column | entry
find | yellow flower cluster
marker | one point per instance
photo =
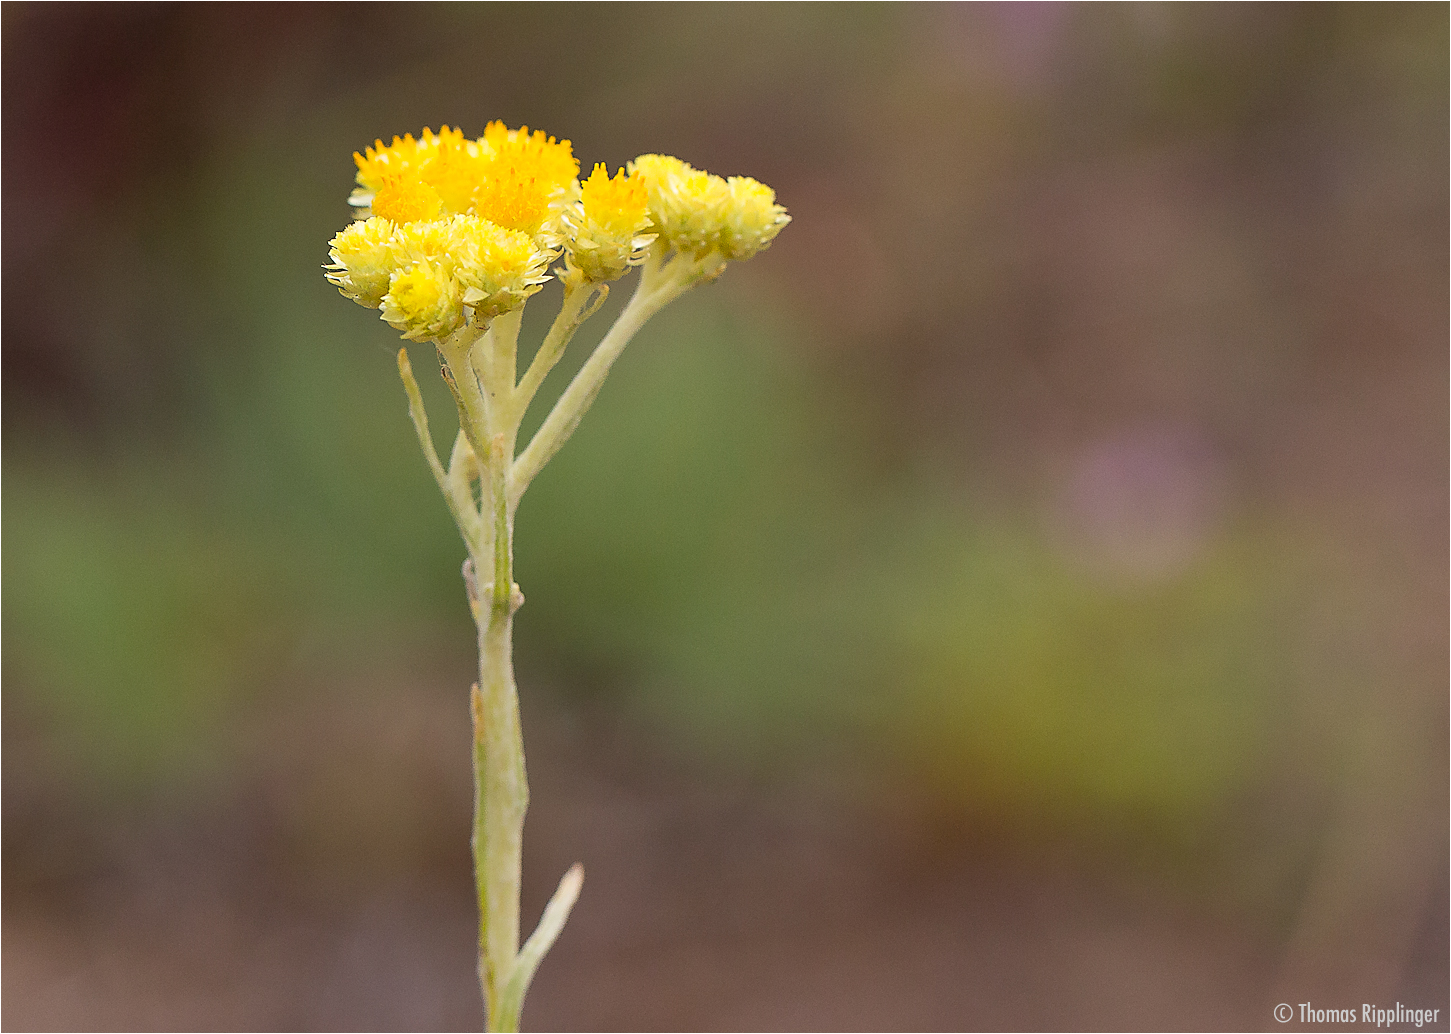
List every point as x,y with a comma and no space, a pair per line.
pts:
453,229
422,274
698,213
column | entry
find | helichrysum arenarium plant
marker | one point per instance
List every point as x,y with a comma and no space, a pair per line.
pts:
453,237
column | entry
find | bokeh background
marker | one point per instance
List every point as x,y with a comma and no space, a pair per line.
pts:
1017,599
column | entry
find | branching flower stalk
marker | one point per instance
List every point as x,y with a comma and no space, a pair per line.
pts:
452,238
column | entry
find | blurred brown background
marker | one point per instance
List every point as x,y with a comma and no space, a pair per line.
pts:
1017,599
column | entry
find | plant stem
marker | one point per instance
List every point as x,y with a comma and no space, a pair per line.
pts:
473,411
453,483
501,799
571,315
480,366
658,286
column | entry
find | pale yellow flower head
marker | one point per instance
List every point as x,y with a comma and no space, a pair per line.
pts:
424,302
432,240
752,218
658,171
608,225
497,268
362,261
687,206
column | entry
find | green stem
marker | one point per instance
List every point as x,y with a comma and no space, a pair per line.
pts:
658,286
496,362
473,410
570,318
453,483
503,524
502,797
463,471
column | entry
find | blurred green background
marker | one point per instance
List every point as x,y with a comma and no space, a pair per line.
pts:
1016,599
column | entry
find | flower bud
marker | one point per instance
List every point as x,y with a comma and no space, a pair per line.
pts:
423,302
497,268
752,218
362,261
608,224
